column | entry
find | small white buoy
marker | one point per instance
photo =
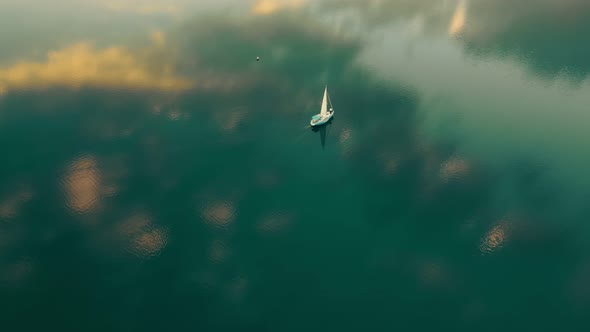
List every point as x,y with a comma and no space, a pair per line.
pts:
257,58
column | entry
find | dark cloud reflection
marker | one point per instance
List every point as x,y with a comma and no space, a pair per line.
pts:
550,36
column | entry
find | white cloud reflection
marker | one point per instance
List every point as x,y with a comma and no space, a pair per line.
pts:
492,108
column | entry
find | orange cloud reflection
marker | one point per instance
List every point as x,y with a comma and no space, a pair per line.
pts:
458,20
267,7
81,185
495,238
455,168
158,38
142,238
219,214
150,243
82,65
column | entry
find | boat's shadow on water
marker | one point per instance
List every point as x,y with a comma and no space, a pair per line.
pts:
323,129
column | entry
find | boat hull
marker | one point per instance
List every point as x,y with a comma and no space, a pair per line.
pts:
322,121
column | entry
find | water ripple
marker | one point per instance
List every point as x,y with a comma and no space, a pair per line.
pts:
495,238
219,214
275,222
454,169
218,251
141,237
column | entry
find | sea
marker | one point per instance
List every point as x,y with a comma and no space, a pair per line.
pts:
156,176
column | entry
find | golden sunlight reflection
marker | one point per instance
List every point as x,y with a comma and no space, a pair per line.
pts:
81,185
454,168
10,205
267,7
150,243
81,65
219,214
458,20
495,238
143,238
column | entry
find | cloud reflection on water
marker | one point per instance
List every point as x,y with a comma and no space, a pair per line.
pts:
144,7
140,236
547,35
459,17
495,28
82,65
81,184
218,214
495,238
454,169
267,7
385,156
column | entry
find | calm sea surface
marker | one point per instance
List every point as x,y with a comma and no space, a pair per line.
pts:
156,177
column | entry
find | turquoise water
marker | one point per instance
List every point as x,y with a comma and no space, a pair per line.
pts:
157,177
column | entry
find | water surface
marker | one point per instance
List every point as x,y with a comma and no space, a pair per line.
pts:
157,177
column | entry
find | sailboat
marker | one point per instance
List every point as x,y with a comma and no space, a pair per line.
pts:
325,115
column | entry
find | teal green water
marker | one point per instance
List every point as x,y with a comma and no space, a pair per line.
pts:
156,177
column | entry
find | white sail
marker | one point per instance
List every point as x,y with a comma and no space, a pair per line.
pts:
324,110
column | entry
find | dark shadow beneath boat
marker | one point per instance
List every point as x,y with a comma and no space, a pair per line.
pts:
323,130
